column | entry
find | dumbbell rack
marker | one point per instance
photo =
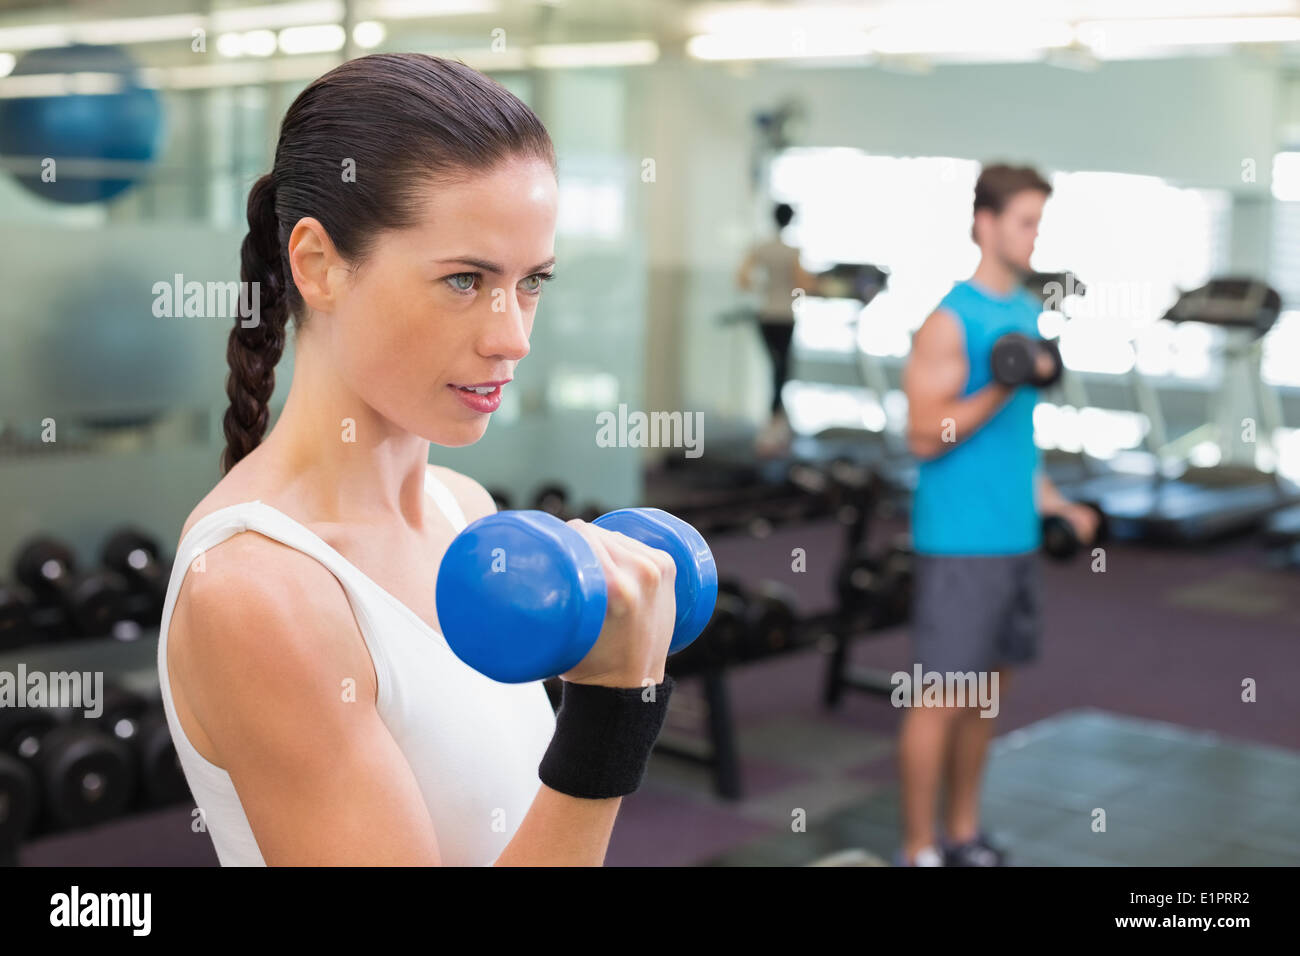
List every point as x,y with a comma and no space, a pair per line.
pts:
131,665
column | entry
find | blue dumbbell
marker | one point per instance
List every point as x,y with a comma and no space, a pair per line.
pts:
521,595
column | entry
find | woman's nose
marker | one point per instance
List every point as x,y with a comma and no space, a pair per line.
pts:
507,331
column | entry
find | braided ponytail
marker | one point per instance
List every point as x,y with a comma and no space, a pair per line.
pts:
257,340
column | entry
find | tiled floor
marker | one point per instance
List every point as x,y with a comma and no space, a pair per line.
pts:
1171,797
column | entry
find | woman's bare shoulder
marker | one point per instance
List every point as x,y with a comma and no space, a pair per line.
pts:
472,497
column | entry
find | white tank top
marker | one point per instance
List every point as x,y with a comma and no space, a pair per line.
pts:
473,744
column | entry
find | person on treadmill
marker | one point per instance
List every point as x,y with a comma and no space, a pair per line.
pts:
976,518
781,275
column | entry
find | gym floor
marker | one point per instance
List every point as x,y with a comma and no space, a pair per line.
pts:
1134,707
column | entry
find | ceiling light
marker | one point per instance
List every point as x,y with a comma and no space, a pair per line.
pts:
766,45
319,38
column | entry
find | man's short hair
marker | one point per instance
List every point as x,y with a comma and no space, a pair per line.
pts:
998,182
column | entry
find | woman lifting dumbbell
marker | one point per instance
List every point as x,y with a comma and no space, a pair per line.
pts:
406,229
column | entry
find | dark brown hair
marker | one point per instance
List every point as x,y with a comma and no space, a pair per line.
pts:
998,182
399,121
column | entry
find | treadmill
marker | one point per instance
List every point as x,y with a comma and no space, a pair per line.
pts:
1185,504
884,452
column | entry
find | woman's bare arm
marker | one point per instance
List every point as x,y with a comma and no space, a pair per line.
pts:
273,668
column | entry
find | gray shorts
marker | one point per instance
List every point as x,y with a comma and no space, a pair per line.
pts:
975,613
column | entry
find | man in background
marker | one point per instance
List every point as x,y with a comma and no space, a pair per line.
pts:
976,517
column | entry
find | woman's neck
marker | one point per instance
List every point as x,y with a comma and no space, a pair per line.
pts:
335,457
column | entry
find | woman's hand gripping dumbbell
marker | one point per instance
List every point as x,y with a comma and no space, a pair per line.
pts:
523,596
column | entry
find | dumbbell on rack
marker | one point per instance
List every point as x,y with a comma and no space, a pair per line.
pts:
19,801
72,603
143,728
875,588
722,642
84,775
554,499
16,628
134,555
769,618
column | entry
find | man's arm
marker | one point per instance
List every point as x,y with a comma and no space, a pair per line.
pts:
1052,502
935,375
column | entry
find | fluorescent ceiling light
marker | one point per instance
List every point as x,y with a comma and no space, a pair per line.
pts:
626,53
762,18
1110,36
1286,177
422,9
982,36
135,29
252,43
368,34
778,45
320,38
35,37
278,15
7,61
62,84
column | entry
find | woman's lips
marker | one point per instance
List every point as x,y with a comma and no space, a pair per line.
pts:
483,402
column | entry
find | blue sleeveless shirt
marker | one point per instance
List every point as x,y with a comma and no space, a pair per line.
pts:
977,498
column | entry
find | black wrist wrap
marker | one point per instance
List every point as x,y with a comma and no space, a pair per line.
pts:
603,737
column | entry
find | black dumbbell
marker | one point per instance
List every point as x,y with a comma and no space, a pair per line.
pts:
16,628
135,556
1060,540
88,776
772,620
553,499
1017,360
143,728
501,498
766,618
120,711
85,775
855,491
817,487
21,729
877,587
19,802
70,603
723,639
162,779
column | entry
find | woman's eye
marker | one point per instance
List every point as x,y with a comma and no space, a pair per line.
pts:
533,283
462,281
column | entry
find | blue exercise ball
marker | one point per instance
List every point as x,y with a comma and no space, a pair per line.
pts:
86,134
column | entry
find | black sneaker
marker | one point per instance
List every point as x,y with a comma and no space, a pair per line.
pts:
977,852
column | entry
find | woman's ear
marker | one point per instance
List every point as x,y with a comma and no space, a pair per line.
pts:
318,270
